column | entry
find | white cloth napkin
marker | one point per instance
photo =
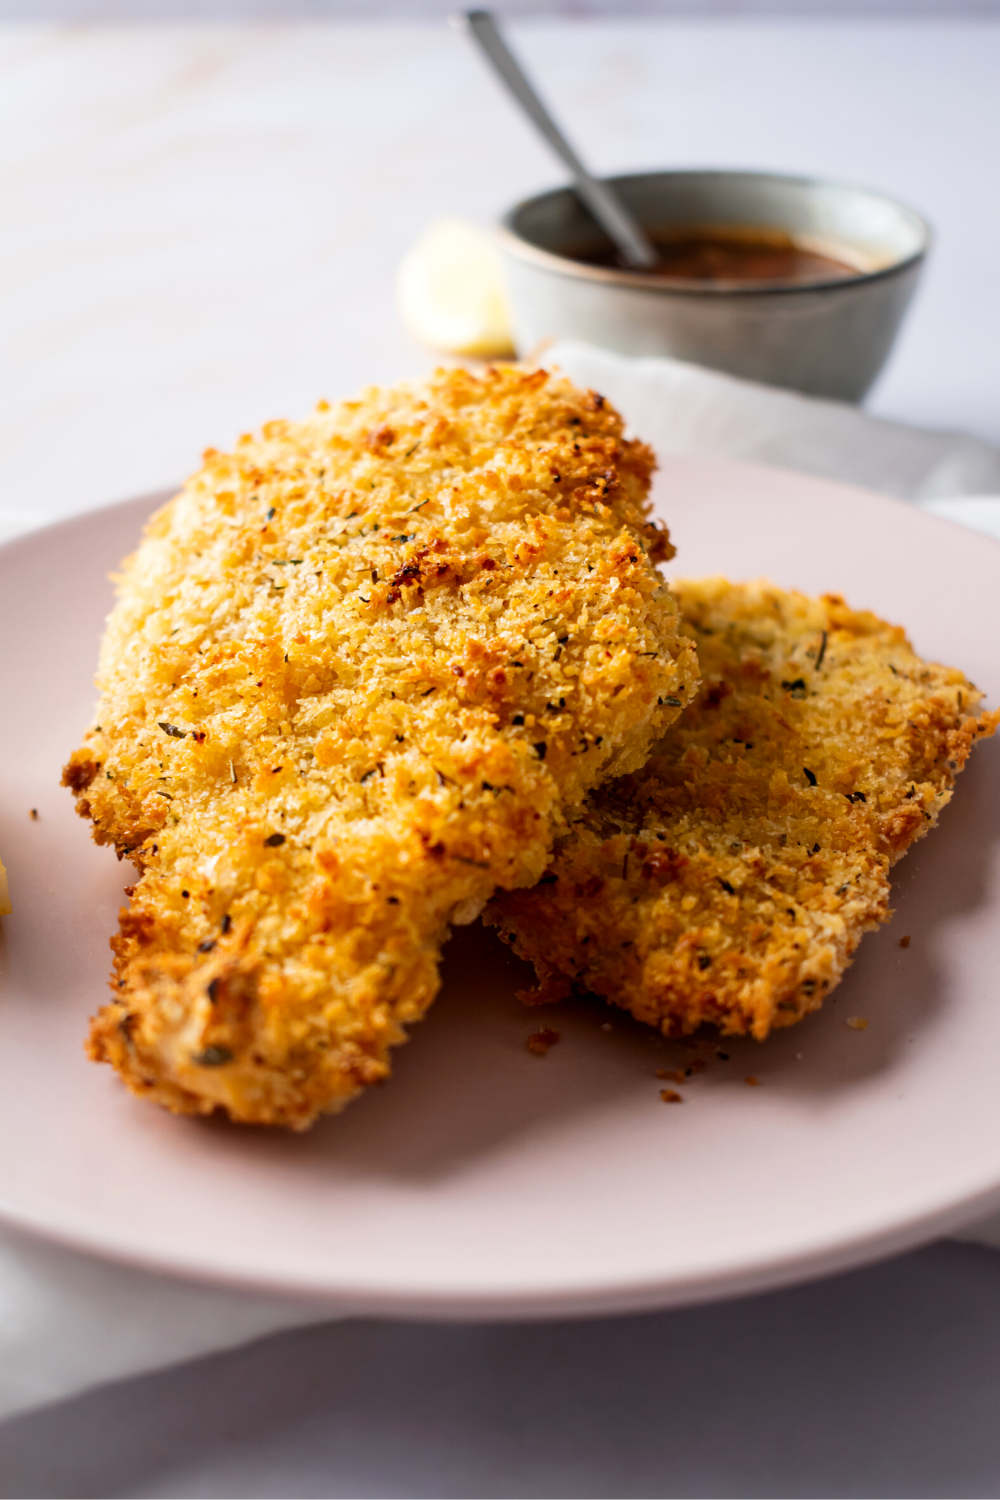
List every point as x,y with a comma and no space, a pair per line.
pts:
680,408
67,1321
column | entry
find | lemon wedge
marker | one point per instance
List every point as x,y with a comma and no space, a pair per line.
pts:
5,906
451,294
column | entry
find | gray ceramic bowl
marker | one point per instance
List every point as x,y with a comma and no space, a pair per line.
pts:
827,338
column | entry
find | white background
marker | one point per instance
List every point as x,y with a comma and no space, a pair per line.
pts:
199,230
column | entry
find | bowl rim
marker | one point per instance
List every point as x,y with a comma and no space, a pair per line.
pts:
517,245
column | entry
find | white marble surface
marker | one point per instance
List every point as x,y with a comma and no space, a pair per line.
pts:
200,227
200,224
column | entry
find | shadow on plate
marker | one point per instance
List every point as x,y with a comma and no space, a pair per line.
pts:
467,1084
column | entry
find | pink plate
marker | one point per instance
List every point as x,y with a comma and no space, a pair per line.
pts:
484,1181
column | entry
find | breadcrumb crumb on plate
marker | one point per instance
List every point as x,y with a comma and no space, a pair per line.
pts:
485,1182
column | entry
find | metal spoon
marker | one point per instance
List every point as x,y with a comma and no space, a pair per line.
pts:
634,245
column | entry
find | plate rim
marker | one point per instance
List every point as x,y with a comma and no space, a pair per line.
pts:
793,1268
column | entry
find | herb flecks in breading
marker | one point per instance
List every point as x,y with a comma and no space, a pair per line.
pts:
732,878
353,761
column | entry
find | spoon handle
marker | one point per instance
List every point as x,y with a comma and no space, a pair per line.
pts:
607,208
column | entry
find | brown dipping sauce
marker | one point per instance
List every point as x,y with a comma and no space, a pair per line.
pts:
732,255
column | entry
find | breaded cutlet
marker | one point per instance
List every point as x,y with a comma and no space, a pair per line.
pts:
355,672
731,879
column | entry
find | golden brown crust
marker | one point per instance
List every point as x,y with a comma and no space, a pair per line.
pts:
730,880
355,670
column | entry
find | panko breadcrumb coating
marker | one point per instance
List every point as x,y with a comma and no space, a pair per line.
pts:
355,671
731,879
